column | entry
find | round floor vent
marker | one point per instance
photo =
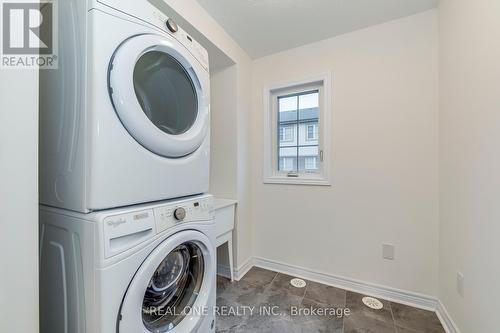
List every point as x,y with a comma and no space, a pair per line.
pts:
372,303
298,283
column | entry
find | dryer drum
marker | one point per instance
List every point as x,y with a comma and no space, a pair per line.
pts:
173,288
165,92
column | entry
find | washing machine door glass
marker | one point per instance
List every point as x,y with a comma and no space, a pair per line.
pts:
160,93
173,289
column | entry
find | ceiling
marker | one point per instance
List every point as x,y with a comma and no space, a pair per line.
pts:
263,27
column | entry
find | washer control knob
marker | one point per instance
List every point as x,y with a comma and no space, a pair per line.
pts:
180,214
172,26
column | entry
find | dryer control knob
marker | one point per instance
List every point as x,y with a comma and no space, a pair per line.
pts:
172,26
180,214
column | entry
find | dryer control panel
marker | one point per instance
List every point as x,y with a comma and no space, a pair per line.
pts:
168,25
200,210
150,14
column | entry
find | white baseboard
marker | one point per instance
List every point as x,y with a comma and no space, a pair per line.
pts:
239,272
446,320
391,294
417,300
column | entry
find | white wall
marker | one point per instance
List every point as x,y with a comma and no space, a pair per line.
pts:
19,201
470,161
245,222
233,180
223,161
385,159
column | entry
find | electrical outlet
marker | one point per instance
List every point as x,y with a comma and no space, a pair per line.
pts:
460,283
388,251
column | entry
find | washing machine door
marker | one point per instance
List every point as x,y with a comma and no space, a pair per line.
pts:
170,291
161,94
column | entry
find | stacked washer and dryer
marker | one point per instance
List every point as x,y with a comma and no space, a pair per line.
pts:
127,237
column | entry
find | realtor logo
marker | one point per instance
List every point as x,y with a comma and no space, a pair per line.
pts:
29,38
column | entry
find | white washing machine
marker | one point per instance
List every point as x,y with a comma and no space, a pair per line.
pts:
147,268
125,118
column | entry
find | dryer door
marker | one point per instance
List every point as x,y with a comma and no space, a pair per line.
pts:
170,291
161,94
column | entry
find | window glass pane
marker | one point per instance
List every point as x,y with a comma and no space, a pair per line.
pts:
288,103
308,157
308,116
286,134
287,163
298,117
309,101
311,163
312,132
288,159
287,109
165,92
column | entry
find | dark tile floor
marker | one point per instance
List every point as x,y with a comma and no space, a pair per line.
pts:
265,302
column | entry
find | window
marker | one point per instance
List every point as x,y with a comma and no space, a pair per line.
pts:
286,163
296,136
311,163
312,132
296,112
286,133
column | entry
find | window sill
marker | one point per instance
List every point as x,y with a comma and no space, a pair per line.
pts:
301,180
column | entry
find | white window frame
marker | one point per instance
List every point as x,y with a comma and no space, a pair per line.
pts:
271,175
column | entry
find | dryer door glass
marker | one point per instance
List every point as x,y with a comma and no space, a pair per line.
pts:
173,288
161,93
165,92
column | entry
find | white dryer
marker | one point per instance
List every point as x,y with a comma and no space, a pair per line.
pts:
147,268
125,118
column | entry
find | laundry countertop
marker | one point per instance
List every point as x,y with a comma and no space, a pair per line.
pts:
220,203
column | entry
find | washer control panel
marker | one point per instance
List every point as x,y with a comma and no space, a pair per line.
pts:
195,210
124,231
